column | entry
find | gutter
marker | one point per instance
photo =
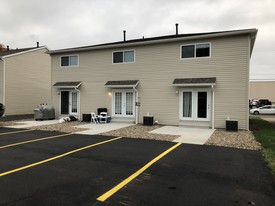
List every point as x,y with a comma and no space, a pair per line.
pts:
4,82
155,41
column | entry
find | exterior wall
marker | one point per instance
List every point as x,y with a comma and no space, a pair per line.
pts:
156,66
1,80
27,82
262,90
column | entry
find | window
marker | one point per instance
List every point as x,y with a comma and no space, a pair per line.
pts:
124,57
195,51
69,61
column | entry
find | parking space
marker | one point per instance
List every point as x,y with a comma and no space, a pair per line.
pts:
79,169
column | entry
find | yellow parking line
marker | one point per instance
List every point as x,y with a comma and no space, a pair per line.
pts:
57,157
28,130
112,191
34,140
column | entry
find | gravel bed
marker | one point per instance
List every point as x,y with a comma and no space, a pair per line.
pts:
141,132
66,127
241,139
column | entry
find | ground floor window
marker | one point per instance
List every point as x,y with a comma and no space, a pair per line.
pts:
123,103
195,104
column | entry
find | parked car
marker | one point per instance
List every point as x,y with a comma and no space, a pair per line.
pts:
263,102
268,109
2,109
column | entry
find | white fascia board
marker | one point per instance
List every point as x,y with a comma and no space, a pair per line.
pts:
24,52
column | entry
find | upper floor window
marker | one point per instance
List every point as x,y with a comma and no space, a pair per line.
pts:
124,56
195,50
69,61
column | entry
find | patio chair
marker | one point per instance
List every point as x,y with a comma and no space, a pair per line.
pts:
94,118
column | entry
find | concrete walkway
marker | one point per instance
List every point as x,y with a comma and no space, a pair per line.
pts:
187,135
101,128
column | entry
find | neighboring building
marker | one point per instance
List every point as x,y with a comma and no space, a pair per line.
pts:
262,89
184,79
25,77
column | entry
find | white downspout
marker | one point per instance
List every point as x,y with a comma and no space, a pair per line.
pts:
213,106
79,113
4,83
136,107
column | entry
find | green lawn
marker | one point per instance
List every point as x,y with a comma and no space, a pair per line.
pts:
264,133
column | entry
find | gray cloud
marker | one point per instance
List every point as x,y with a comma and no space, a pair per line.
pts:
69,23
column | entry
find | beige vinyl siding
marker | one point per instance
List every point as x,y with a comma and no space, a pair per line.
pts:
1,79
262,90
27,82
156,66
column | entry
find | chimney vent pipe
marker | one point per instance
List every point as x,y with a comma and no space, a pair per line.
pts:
177,29
8,47
37,44
124,35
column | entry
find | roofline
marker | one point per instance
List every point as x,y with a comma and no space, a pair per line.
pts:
172,38
23,52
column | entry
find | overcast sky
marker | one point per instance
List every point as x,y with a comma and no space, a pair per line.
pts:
72,23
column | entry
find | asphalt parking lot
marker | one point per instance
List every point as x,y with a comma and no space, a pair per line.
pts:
49,168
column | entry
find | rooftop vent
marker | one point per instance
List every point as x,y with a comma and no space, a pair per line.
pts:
124,35
177,28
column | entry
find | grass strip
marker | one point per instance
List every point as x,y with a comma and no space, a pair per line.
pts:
264,133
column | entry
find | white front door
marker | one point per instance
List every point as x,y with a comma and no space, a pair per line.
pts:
195,104
123,103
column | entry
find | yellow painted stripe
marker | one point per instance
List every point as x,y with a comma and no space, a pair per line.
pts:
112,191
57,157
34,140
21,131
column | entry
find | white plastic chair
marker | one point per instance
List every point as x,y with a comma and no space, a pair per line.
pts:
103,117
94,118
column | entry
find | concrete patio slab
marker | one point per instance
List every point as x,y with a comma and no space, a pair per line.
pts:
100,128
187,135
28,124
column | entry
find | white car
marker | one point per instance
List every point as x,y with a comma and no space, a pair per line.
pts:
268,109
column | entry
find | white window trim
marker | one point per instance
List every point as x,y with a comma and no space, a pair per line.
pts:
195,57
123,56
194,104
69,61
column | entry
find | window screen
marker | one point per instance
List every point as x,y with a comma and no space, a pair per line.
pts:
202,50
188,51
117,57
65,61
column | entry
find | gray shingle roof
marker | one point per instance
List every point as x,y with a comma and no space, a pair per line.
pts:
130,83
14,51
208,80
67,84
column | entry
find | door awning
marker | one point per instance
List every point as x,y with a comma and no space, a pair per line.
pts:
122,84
68,85
210,81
